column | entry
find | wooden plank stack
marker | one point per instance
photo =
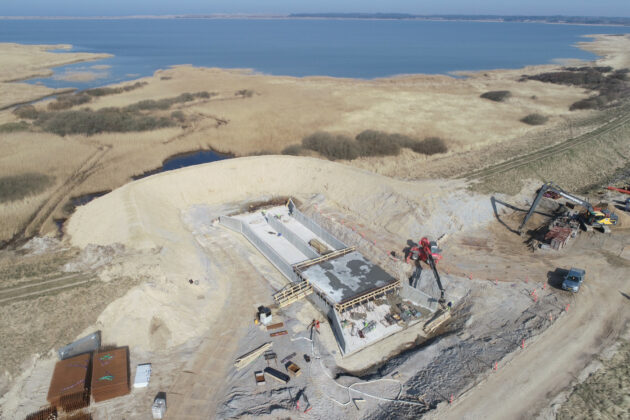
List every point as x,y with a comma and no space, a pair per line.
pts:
247,358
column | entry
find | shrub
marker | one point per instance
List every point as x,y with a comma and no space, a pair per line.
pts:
14,126
103,91
293,150
68,101
377,143
166,103
90,122
178,116
430,146
496,95
245,93
534,119
589,103
27,112
403,140
16,187
332,146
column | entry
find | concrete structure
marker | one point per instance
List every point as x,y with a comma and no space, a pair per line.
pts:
334,277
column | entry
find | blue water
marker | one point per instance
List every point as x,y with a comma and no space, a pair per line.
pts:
189,159
342,48
186,159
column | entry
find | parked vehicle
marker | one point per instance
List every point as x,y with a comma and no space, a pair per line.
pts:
573,279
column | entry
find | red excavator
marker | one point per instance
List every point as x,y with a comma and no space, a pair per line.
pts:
428,252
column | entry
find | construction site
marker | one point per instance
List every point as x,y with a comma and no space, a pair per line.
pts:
362,301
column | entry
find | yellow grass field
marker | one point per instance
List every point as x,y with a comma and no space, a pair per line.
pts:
280,112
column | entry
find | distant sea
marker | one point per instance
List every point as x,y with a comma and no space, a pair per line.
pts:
296,47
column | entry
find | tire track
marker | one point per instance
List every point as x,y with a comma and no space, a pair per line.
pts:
63,283
44,211
527,159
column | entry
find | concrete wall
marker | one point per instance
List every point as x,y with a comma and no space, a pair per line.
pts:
333,318
418,297
321,304
295,240
265,249
315,228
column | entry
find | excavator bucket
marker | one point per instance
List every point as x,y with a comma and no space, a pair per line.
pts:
439,318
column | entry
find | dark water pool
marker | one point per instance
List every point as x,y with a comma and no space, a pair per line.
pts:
186,159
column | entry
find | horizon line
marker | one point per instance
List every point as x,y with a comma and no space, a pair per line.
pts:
302,15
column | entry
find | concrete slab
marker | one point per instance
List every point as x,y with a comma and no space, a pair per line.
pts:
347,276
370,313
295,226
261,228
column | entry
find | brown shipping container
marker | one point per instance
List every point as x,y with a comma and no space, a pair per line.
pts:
71,376
110,374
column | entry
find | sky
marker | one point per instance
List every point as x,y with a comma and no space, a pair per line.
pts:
614,8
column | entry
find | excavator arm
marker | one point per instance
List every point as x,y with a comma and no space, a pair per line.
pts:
550,186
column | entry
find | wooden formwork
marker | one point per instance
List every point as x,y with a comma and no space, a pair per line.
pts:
370,295
292,292
301,266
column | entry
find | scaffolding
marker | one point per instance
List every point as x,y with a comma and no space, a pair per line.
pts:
292,293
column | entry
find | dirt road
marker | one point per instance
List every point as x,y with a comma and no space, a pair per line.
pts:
196,391
549,364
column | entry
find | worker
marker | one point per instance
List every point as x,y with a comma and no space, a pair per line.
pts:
449,306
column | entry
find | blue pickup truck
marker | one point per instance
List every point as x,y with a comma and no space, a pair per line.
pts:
573,279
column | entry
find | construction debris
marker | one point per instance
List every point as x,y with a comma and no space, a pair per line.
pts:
143,374
48,413
289,357
320,247
357,402
293,369
276,334
158,409
264,315
270,355
260,377
274,326
277,375
247,358
84,345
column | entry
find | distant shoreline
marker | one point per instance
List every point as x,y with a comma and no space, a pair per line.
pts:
555,20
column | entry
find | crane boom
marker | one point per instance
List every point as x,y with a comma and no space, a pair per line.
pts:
437,277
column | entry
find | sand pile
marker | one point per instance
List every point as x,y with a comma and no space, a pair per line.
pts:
146,213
